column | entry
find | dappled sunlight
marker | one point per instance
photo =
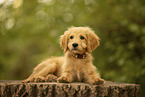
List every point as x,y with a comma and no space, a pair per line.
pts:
17,3
10,23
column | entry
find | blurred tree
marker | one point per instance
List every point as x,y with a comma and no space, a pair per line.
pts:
30,30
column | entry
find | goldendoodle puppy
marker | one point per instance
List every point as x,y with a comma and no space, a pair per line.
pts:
76,65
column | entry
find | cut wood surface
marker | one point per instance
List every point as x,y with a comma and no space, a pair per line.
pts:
13,88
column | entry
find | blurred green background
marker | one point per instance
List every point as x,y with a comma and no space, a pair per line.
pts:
30,30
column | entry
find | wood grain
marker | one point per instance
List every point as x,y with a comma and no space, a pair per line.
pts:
14,88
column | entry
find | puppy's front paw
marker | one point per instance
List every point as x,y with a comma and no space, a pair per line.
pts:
39,79
51,78
63,80
98,81
26,81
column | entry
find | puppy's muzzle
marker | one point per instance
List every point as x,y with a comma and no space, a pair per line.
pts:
75,45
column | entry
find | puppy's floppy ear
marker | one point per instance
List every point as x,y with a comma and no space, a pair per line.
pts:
64,41
92,41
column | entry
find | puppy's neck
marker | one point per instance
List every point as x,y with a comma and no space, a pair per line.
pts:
86,56
79,56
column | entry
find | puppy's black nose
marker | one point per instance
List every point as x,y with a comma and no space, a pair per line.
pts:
74,44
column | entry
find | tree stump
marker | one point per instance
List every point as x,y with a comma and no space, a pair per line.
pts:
13,88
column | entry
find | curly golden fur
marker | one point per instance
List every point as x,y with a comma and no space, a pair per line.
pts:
76,65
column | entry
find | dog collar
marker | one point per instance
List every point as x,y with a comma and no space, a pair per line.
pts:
79,56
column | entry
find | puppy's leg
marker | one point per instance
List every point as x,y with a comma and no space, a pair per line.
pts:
94,78
41,71
51,78
39,79
66,77
34,79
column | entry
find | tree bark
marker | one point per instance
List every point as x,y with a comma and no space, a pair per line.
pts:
52,89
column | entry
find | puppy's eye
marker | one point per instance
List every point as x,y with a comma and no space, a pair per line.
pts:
71,37
82,37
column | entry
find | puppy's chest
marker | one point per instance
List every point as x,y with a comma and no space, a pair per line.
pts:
80,63
78,68
80,76
79,71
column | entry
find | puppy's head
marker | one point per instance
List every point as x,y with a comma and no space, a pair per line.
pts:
79,40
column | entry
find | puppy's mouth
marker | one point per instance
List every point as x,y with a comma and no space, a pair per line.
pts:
77,54
75,50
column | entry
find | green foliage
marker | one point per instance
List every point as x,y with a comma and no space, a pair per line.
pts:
30,30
